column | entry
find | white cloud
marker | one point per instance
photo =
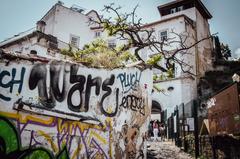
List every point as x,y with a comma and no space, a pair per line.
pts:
237,53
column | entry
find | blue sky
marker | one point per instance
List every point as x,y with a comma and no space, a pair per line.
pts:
20,15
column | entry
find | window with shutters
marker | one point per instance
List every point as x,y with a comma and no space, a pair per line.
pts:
163,35
112,43
74,40
97,34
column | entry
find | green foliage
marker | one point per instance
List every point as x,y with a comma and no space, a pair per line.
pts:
170,73
164,75
118,24
155,77
154,59
98,54
68,52
158,89
222,50
226,52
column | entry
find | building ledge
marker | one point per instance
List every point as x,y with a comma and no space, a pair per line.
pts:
174,79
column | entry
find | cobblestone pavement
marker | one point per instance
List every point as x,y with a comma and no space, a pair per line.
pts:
165,150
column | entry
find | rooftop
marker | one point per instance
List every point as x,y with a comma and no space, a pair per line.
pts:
168,19
26,35
190,3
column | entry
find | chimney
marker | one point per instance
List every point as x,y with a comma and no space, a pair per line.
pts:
41,26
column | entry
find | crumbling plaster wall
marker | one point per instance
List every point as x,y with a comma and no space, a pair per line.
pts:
65,110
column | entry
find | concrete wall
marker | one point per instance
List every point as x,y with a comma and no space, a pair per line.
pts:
184,90
168,99
177,25
49,19
205,47
61,110
199,57
41,47
26,46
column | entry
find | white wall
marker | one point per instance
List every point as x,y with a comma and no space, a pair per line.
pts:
188,12
67,22
168,99
184,91
49,19
42,100
24,47
178,26
156,117
205,47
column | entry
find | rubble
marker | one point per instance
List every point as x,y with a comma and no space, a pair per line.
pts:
165,150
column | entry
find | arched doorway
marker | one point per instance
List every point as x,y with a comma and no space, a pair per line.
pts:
156,107
156,113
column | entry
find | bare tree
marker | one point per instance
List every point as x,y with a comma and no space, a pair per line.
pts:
130,28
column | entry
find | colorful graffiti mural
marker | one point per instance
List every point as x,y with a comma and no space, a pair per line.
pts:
10,145
80,139
65,110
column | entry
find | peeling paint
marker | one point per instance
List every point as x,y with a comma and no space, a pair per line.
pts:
75,111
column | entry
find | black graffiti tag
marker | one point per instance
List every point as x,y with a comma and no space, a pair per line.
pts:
134,103
38,78
105,87
80,83
10,83
129,80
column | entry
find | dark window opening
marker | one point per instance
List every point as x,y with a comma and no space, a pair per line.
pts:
97,34
33,52
112,44
163,35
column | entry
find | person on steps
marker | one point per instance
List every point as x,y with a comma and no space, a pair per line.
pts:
155,130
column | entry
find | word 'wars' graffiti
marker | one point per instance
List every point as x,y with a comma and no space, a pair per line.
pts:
43,106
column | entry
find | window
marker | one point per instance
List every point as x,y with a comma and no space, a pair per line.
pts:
163,35
34,52
97,34
180,8
111,43
74,40
173,10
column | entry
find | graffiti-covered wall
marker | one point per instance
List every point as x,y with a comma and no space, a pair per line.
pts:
63,110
